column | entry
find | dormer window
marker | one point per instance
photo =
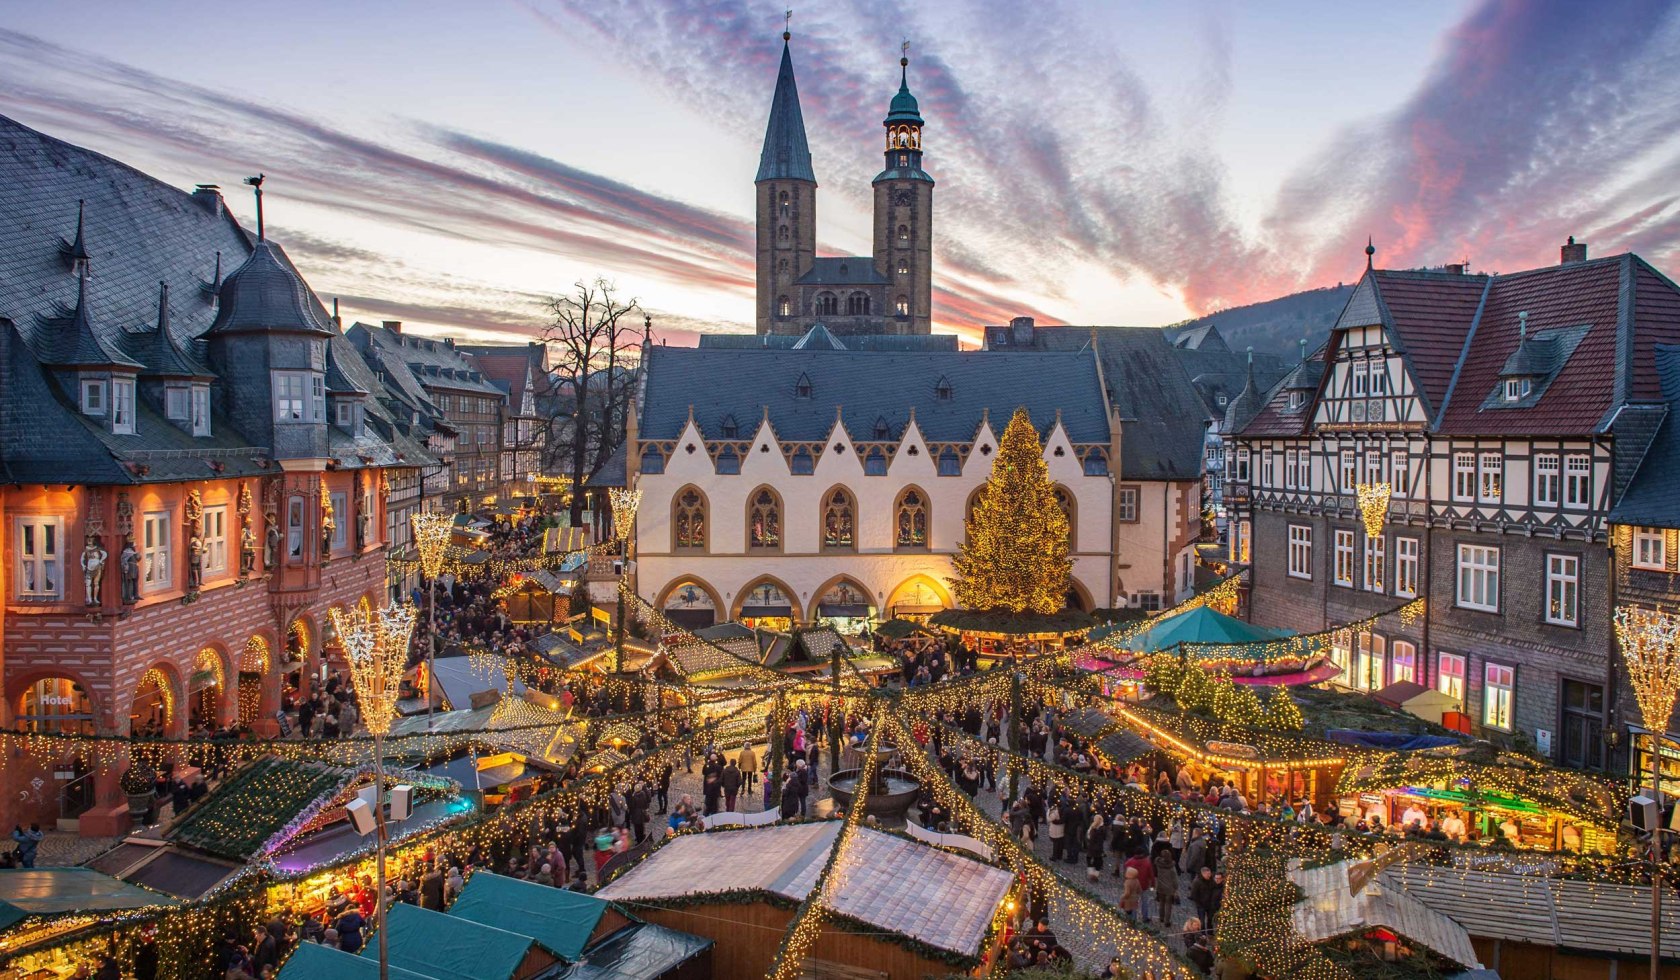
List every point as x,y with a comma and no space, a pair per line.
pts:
943,390
1297,399
883,432
802,387
728,463
176,405
122,406
1096,464
346,415
803,463
875,464
93,398
730,429
949,464
1516,389
200,410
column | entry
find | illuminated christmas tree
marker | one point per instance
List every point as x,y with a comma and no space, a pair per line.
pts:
1014,556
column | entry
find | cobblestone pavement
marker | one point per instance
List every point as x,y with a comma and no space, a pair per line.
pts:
61,848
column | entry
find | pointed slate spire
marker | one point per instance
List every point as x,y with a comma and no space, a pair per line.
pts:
163,357
787,155
78,254
77,343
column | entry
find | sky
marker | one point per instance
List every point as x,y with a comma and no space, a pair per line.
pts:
453,164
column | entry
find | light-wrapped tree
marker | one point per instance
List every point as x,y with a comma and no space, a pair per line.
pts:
1014,556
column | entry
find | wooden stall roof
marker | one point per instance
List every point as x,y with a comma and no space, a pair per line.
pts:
1590,917
943,899
1329,909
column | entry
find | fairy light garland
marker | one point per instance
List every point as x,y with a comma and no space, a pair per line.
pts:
1650,643
1373,506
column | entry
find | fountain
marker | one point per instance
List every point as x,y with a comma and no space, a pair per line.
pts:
891,794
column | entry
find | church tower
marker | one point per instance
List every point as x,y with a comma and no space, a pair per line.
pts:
904,216
787,205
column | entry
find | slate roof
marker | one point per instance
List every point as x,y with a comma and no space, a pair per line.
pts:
1652,498
1164,422
786,154
842,270
613,472
861,387
943,899
857,342
267,293
433,363
508,366
1205,338
140,237
74,340
1274,417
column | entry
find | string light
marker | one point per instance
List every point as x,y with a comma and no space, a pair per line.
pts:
1014,553
1650,642
1373,506
432,533
624,501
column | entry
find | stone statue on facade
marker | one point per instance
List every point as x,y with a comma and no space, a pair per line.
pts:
361,529
271,543
129,564
247,551
195,562
93,570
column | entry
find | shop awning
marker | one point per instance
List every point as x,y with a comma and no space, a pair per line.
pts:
449,948
836,611
761,612
313,961
560,921
690,619
1200,625
52,891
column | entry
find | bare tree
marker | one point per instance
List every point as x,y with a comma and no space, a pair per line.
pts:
622,344
582,334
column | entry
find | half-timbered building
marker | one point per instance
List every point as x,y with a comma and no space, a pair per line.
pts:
1505,414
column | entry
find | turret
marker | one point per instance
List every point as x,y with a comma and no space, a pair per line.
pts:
904,216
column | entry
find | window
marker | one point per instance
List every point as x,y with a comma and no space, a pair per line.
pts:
200,410
903,267
783,307
1265,467
154,552
857,304
1403,659
728,463
443,403
1148,601
875,462
1368,670
39,551
802,386
93,398
1296,400
1489,490
1400,472
1406,567
1241,474
1449,675
1379,378
1064,503
1546,479
912,520
1577,481
1344,558
764,521
122,406
1563,590
1349,474
1373,467
901,306
690,520
1289,460
903,233
839,522
943,390
1478,577
827,304
294,526
1300,551
175,406
345,413
341,520
1245,537
1360,378
1497,690
300,396
215,540
653,461
484,433
1342,656
1126,505
1650,549
949,464
1464,476
804,464
1376,562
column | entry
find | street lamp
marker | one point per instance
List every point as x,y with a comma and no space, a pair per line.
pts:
1650,642
624,502
376,645
432,533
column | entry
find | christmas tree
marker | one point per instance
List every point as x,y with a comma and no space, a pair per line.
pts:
1014,556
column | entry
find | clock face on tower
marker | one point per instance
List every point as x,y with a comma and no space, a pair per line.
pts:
903,199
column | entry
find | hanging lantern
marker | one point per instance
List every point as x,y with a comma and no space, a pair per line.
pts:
624,503
1650,642
432,532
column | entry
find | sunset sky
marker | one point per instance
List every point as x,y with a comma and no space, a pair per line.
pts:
449,164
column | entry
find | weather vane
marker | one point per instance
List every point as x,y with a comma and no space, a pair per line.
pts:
256,184
787,26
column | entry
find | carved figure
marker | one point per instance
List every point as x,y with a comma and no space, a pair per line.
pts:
247,551
195,562
129,564
271,543
93,570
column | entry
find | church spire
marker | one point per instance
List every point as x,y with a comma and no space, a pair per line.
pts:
787,155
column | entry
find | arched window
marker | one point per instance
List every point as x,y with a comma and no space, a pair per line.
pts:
1064,500
782,233
653,461
764,521
782,265
901,306
689,520
949,464
803,463
783,307
875,462
840,522
1096,463
904,233
857,304
903,267
911,520
827,304
785,204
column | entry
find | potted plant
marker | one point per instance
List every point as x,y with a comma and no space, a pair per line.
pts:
138,782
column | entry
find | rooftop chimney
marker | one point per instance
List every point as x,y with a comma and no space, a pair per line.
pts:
210,197
1572,252
395,326
1454,268
1021,330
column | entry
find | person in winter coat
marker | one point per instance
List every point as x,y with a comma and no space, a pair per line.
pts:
1166,885
28,841
1207,895
1058,832
1146,880
349,926
747,761
731,779
1096,838
790,798
1131,894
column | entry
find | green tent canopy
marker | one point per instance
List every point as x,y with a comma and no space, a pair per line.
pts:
312,961
560,921
449,948
1201,625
